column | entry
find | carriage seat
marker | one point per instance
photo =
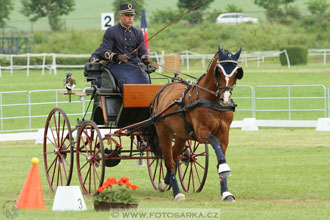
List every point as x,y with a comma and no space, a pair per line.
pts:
101,78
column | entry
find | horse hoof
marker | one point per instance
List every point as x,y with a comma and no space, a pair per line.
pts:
228,197
162,186
180,197
224,170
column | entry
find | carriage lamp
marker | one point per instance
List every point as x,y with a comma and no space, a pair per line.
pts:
69,84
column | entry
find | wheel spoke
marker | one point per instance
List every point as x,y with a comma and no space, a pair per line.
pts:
155,171
185,172
56,128
197,174
51,165
201,154
63,163
87,174
196,144
62,132
60,171
53,142
200,165
54,170
152,162
83,166
95,176
161,173
90,177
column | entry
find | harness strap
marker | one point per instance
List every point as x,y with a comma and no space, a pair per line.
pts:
187,126
198,103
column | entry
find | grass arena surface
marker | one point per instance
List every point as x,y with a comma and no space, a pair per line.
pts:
276,174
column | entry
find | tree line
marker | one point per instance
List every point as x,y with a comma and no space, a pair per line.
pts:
54,9
277,11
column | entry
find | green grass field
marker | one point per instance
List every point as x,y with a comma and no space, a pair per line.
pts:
87,14
276,174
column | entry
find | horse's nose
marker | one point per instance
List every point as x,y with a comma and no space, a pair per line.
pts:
225,98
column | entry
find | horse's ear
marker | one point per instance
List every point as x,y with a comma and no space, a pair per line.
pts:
238,53
221,54
240,73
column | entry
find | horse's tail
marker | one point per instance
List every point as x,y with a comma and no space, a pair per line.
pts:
153,140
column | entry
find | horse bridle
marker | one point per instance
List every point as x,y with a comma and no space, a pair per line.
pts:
227,76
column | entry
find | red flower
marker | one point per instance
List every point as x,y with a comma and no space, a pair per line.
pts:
112,180
124,179
134,187
100,189
105,184
128,185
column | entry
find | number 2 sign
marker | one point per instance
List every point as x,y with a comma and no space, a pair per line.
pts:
107,20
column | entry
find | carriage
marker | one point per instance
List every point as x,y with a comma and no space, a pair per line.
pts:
100,142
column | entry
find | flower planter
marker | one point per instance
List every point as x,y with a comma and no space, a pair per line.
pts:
106,206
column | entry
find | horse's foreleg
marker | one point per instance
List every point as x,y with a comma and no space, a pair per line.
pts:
225,194
223,169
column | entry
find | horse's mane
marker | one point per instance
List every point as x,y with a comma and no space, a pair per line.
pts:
208,67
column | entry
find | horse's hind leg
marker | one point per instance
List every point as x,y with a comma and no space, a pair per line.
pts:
177,149
165,140
223,169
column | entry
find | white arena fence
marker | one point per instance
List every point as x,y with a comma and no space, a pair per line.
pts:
245,58
186,57
31,109
320,52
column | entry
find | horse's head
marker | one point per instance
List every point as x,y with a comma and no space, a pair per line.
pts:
226,73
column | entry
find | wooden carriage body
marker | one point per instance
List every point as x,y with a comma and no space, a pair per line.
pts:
114,108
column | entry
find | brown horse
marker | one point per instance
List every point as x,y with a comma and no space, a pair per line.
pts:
202,111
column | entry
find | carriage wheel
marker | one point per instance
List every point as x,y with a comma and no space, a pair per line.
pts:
90,157
58,149
193,166
156,168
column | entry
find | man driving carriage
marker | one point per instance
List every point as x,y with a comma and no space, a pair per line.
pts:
116,50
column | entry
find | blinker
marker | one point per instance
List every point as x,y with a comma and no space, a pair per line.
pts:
240,73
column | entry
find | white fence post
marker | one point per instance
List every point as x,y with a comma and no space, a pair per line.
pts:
11,64
43,64
287,58
54,64
28,65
